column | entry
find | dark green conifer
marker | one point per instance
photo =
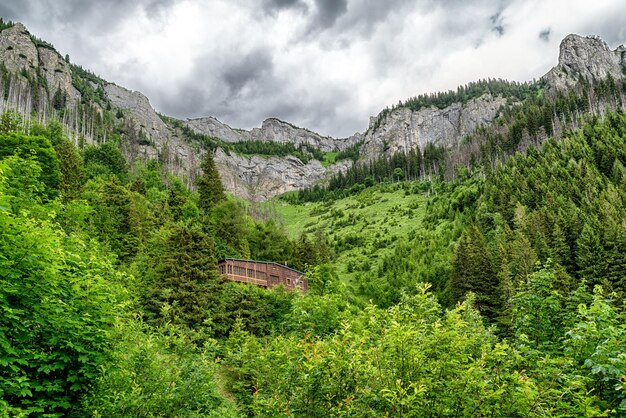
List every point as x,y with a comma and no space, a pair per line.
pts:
209,183
472,271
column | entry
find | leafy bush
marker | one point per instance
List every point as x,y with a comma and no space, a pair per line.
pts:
156,373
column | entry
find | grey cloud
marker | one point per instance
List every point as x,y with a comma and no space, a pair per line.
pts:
13,11
249,70
612,28
328,11
273,6
496,21
364,15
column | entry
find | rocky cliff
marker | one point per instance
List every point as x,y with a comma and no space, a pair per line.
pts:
20,55
35,70
260,178
588,57
272,129
403,129
251,177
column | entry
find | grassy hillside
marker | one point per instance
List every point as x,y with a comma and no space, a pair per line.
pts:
362,229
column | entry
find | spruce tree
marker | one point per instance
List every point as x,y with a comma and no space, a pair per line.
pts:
209,184
472,271
187,278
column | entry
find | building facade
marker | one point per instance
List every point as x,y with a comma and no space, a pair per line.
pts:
263,273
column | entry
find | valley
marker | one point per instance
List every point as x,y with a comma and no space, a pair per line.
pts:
464,255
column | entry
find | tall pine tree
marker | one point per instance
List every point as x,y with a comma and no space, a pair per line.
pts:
209,183
187,279
473,271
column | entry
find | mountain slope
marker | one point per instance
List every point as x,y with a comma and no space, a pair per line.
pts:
36,78
403,129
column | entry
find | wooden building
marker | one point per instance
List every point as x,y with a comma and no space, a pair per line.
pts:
262,273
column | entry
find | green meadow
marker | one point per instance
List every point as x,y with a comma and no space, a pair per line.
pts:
361,229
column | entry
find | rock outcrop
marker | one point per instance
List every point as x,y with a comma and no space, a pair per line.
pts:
19,52
180,158
141,110
250,177
588,57
402,129
272,129
260,178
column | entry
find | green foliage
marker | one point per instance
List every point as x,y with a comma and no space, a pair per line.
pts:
59,295
156,372
229,223
408,360
473,271
268,242
304,152
499,87
11,121
258,311
38,148
119,218
84,81
410,166
104,159
5,24
21,185
186,278
72,170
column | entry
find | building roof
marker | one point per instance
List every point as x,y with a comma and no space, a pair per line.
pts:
262,262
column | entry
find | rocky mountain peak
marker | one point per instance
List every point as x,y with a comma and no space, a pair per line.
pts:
586,56
17,49
19,52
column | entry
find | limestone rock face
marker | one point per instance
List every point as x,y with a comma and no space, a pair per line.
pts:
57,73
140,108
272,129
18,51
180,157
403,129
589,57
261,178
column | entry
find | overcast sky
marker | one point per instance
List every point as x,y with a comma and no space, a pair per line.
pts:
322,64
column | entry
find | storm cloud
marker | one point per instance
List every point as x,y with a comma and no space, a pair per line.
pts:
322,64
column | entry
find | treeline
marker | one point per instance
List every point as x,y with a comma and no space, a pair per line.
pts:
537,118
5,24
496,87
411,166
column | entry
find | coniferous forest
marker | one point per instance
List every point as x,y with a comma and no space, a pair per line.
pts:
508,300
488,280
